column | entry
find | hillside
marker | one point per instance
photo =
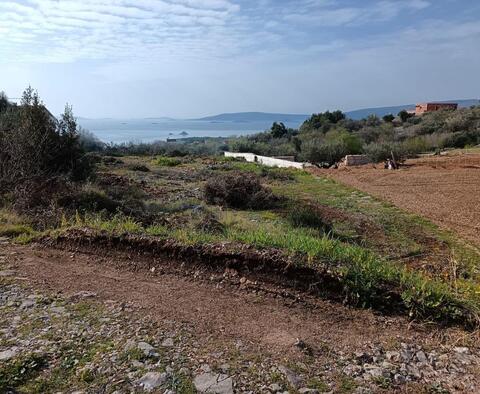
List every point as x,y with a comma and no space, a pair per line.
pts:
382,111
254,117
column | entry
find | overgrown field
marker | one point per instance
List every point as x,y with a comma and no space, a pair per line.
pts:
377,255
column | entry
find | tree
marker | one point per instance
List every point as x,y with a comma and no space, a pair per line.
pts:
4,103
388,118
404,115
278,130
322,121
36,147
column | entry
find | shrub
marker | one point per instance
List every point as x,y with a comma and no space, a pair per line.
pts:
238,190
164,161
378,152
308,216
36,147
139,168
89,201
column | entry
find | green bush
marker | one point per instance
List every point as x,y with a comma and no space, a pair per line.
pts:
164,161
308,216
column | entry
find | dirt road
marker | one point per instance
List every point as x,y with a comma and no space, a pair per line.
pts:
444,189
255,331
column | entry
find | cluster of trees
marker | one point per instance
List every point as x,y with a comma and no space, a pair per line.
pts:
329,136
35,147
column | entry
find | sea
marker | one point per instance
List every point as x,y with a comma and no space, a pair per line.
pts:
148,130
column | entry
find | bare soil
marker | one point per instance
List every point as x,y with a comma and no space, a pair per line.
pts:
445,189
224,310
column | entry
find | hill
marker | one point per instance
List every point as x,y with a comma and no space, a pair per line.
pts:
382,111
255,117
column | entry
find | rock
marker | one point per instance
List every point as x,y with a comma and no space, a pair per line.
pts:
7,273
392,356
363,357
275,387
399,379
58,310
375,371
146,348
462,350
129,345
413,371
152,380
213,383
421,357
168,342
84,294
295,380
29,303
352,370
8,354
306,390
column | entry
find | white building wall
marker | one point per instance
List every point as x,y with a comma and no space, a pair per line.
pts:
267,161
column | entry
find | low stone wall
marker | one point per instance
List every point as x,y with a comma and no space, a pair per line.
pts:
267,161
355,160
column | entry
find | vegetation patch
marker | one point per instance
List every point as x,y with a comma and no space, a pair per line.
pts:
164,161
238,190
14,373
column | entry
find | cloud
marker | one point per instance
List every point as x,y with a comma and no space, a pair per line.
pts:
70,30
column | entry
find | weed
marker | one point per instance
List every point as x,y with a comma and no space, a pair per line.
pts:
318,384
15,230
164,161
307,216
19,371
346,385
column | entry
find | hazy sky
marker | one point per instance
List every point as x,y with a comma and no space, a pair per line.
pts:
186,58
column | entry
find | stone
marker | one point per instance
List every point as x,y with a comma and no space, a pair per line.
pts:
375,371
352,370
146,348
421,356
399,379
295,380
275,387
84,294
168,342
213,383
363,357
462,350
8,354
392,356
152,380
306,390
414,372
29,303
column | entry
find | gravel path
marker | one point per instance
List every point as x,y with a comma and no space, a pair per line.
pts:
72,322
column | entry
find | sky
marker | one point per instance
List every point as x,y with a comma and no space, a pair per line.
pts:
190,58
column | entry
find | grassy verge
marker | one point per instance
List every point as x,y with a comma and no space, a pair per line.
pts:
368,280
371,265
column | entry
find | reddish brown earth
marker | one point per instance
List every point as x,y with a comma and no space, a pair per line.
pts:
222,309
445,189
223,312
